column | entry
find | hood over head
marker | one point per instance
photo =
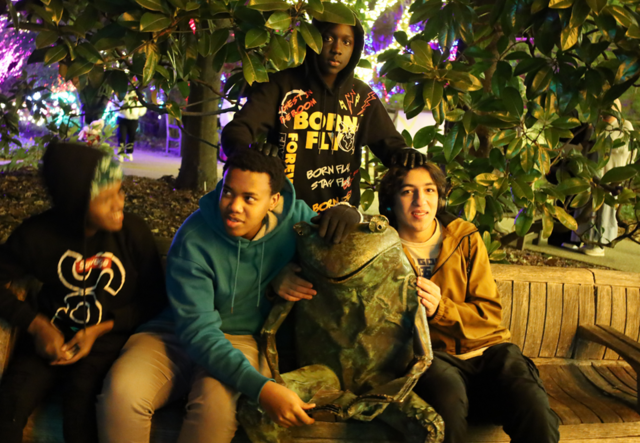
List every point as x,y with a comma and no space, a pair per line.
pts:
68,170
348,70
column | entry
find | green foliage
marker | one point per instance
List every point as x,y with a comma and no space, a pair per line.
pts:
532,75
122,45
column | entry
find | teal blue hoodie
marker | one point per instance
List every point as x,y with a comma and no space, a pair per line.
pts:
216,285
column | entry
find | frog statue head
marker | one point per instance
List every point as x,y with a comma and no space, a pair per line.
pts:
361,322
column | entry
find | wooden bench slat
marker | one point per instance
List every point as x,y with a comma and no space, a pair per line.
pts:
535,324
572,386
519,313
505,289
606,373
632,328
560,402
625,412
603,385
587,350
624,377
633,374
573,302
553,320
585,415
618,316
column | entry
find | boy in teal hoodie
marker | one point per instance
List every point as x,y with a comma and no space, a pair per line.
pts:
219,266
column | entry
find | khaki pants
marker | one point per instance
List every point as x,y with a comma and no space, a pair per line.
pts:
153,370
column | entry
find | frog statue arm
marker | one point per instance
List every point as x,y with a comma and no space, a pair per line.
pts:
279,312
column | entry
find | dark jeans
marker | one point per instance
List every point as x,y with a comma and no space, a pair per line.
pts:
126,134
501,386
29,378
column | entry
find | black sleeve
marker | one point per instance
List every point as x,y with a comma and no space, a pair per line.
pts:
15,263
381,135
151,295
257,117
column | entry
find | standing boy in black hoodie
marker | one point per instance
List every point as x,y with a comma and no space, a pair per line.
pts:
319,117
101,277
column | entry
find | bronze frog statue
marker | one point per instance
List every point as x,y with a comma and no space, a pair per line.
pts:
362,342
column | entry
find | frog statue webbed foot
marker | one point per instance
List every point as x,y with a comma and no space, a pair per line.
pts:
362,342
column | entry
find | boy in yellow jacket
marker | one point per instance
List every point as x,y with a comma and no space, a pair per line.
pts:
476,372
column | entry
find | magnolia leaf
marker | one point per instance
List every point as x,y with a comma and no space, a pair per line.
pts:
573,186
560,4
256,37
619,174
78,68
269,5
252,69
581,199
514,148
422,53
154,22
513,101
470,209
523,223
366,199
279,48
458,196
279,21
486,179
153,5
547,224
597,5
150,66
316,6
432,93
45,39
566,123
503,137
55,54
335,13
407,138
569,37
424,136
568,221
311,36
597,198
521,189
90,53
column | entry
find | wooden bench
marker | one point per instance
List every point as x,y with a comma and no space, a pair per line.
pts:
552,314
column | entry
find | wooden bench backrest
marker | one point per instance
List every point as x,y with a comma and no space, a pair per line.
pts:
544,306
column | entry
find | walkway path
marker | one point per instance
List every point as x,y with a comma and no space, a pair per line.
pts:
152,164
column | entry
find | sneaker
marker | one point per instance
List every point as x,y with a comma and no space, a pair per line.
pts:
130,157
121,158
593,250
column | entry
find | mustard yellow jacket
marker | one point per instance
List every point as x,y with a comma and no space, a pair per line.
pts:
469,315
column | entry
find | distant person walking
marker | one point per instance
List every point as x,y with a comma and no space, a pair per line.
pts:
602,227
130,111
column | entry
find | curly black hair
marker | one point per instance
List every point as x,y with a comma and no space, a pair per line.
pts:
254,161
392,181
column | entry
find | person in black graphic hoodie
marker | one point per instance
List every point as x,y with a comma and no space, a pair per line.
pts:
319,117
101,277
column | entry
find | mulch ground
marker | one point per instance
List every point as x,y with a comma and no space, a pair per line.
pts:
164,208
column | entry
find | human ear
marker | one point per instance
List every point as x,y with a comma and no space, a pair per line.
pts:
274,201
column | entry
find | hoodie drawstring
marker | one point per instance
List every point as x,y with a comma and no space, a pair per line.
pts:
260,274
235,279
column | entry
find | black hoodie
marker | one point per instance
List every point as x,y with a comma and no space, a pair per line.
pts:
322,155
124,282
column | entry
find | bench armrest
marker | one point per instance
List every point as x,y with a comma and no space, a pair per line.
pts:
626,347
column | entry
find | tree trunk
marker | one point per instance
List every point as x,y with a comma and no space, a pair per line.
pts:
198,170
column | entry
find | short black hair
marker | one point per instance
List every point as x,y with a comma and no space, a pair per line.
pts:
392,182
251,160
